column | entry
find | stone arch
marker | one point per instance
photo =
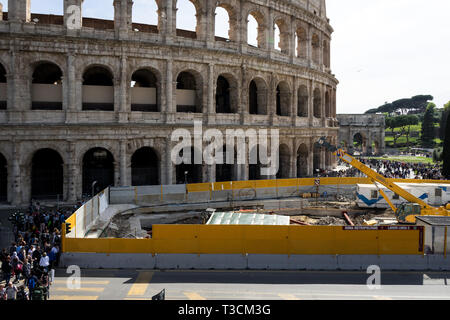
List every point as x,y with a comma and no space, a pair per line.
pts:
145,167
47,174
97,165
3,178
145,88
283,99
317,103
189,91
3,87
261,27
192,31
315,45
301,43
258,96
232,21
359,142
226,93
302,161
98,88
189,172
302,103
46,86
141,21
284,164
282,37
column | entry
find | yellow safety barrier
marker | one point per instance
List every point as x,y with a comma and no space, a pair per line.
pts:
243,239
258,184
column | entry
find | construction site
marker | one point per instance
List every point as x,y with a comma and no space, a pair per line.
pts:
312,223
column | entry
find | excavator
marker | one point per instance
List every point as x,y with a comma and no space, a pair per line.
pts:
406,213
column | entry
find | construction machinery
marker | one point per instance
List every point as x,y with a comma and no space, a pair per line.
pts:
406,212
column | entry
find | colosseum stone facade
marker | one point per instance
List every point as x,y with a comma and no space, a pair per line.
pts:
84,100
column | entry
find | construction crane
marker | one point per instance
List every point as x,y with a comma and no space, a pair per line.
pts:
406,212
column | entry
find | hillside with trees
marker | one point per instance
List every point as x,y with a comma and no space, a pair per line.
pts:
415,123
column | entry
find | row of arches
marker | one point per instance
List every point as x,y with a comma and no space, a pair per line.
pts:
191,19
98,169
98,85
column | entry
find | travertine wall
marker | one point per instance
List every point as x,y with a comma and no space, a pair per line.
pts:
166,52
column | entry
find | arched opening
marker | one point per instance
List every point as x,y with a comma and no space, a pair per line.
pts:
317,165
98,89
284,166
187,22
257,97
302,106
317,103
302,161
188,93
3,179
145,17
3,88
223,98
95,18
281,37
222,25
358,142
145,167
46,88
344,144
189,172
375,147
301,43
226,171
283,99
315,44
144,91
47,12
255,165
277,42
98,167
47,177
255,30
327,105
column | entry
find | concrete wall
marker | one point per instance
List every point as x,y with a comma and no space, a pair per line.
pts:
186,97
46,92
143,95
98,94
256,261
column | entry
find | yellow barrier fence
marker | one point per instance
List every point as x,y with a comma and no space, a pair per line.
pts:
243,239
258,184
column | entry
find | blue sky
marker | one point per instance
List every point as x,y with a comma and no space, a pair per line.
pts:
381,50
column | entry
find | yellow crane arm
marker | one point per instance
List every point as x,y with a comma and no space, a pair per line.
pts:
375,176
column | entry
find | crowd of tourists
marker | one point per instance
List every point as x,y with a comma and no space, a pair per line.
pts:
27,266
391,169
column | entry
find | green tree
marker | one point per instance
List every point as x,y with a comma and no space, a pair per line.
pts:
404,123
443,122
414,105
446,155
428,126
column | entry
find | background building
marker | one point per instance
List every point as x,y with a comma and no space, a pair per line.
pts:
99,102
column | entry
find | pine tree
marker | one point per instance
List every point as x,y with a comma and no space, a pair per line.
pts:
428,127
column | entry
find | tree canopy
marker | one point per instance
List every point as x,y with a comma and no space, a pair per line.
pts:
428,133
414,105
